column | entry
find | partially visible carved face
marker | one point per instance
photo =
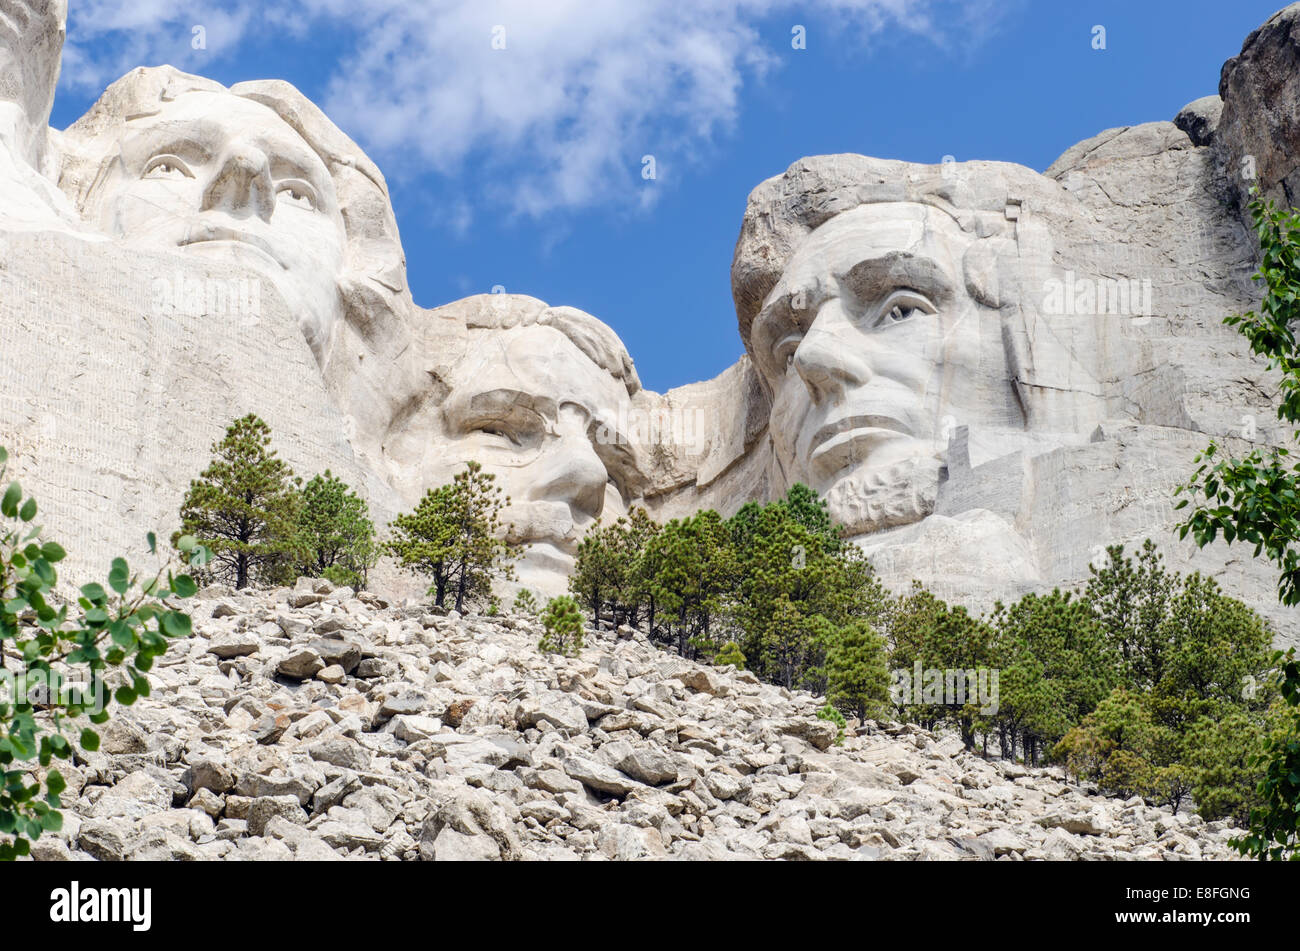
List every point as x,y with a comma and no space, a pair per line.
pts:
31,40
217,174
538,414
873,349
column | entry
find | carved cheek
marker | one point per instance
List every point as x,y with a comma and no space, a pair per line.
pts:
148,206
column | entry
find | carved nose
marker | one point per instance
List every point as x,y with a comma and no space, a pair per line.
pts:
572,473
242,186
824,363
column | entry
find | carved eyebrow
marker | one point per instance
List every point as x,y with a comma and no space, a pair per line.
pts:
874,277
500,402
291,167
183,146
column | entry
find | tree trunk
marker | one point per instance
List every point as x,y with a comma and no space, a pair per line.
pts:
460,590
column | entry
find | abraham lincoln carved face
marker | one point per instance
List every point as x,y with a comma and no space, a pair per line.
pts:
884,332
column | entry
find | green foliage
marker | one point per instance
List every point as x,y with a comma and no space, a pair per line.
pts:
525,603
1055,664
1190,671
244,508
830,714
695,574
55,660
1119,745
796,586
562,620
1223,758
1131,600
455,537
336,532
612,574
857,671
1255,498
1275,822
730,654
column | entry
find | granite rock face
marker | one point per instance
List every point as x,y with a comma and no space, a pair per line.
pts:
1258,131
990,373
549,758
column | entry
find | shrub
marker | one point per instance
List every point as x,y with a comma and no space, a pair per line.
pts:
525,603
830,714
53,660
730,654
562,620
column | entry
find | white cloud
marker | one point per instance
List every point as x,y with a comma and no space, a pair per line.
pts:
558,119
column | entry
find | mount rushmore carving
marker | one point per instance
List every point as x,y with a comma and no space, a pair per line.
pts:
990,373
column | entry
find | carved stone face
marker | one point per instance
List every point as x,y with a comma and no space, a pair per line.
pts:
31,40
538,414
216,174
873,349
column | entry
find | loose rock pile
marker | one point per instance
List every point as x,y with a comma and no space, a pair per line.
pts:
316,723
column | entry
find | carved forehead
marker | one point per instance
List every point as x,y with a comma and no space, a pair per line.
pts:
219,113
537,361
873,231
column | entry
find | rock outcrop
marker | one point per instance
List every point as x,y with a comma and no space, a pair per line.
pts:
991,373
445,738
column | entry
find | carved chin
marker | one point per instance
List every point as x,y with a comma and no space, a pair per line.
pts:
872,499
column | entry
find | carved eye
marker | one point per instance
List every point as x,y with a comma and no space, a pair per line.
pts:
904,305
900,312
167,166
785,351
296,193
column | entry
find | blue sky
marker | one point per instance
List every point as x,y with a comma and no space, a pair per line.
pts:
522,166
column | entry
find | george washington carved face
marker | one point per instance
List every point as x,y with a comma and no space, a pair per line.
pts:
211,173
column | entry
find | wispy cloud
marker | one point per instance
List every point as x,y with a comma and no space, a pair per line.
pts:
544,106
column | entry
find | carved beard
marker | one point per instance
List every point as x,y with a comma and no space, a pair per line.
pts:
883,498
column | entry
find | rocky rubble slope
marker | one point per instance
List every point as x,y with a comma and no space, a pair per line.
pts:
317,724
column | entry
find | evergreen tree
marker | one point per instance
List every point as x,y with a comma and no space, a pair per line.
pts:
455,537
562,621
1131,600
694,576
1055,664
792,590
244,509
598,572
525,603
730,654
857,675
336,532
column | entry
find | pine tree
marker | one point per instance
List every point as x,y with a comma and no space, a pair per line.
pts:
857,673
525,603
562,621
598,571
694,577
730,654
455,537
1056,666
336,531
244,509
